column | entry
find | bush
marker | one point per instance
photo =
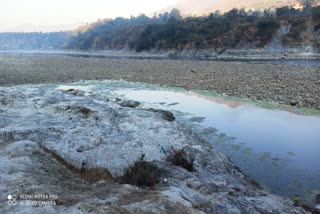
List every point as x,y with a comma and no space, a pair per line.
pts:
266,29
180,158
316,13
142,174
294,36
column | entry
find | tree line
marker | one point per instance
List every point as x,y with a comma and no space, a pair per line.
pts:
172,31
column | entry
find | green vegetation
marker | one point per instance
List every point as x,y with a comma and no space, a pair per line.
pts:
238,28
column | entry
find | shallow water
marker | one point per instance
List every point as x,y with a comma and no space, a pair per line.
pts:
279,149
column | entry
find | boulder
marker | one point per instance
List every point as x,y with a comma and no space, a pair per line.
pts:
129,104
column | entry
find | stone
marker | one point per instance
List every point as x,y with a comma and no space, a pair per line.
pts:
82,149
166,115
310,101
130,104
76,92
293,103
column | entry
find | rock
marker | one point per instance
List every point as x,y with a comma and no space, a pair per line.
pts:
220,50
130,104
166,115
293,103
310,101
82,149
317,208
76,92
79,160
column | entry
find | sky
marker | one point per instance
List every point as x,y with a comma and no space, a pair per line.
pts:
52,15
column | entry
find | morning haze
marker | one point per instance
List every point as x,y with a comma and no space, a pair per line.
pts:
47,15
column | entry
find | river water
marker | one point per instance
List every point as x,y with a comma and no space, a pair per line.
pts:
278,149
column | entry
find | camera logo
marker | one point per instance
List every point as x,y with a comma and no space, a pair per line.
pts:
12,200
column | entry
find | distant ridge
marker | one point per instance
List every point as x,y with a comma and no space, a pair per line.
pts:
207,6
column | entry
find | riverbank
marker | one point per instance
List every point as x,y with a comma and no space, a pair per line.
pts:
291,85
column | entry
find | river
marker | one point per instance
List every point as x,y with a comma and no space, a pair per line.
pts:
278,149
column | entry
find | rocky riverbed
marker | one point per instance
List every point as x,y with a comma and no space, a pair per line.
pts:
51,139
285,84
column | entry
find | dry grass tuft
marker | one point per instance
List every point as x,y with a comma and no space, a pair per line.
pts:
180,158
142,174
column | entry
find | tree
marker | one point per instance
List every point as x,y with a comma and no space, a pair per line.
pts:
316,13
283,12
232,13
242,12
308,3
175,13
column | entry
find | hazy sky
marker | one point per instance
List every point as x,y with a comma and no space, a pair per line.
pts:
23,15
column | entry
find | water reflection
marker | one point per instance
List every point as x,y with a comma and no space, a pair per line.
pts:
279,149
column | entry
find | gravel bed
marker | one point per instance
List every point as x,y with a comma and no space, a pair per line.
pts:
286,84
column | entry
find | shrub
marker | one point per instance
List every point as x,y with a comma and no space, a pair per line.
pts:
180,158
316,13
294,36
142,174
266,29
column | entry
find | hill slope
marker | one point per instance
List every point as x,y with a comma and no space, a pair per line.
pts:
234,29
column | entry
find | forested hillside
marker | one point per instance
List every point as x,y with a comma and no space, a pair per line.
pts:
233,29
238,28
